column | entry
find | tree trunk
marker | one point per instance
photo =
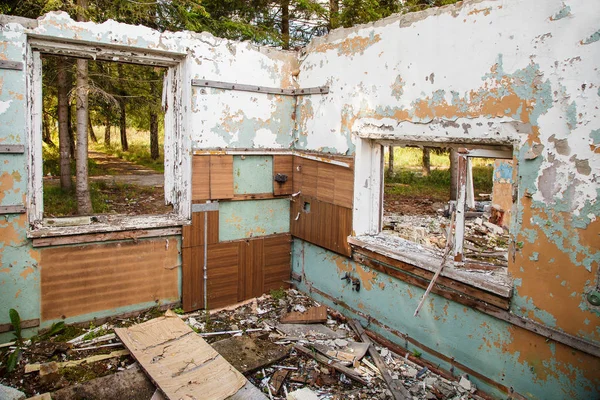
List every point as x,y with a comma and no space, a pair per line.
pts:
285,24
91,128
390,171
46,136
453,174
64,138
107,128
426,167
70,130
123,127
154,153
82,190
334,9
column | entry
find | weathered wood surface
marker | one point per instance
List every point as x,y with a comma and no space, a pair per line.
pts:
326,361
180,362
314,315
248,354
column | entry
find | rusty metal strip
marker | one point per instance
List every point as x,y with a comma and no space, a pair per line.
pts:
12,148
28,323
260,89
12,210
14,65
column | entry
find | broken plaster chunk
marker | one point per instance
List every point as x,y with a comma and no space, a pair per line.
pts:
300,308
465,383
302,394
9,393
384,352
494,228
410,372
341,342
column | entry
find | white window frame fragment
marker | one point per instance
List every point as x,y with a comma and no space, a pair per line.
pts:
177,146
369,182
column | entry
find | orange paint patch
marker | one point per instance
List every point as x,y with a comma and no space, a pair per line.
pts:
485,11
26,272
349,46
17,294
367,277
5,270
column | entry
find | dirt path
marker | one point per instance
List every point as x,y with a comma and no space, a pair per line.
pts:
123,171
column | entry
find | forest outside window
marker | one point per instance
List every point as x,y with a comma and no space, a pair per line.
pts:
99,134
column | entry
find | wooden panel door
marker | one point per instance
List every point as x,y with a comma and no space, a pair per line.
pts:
223,275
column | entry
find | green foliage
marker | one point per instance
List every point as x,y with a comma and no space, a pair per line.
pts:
178,311
277,294
417,353
13,360
15,320
55,329
94,334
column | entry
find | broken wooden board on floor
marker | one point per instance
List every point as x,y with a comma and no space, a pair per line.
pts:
314,315
317,331
100,357
347,354
248,354
179,361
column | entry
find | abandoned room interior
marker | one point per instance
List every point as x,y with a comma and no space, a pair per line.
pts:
274,176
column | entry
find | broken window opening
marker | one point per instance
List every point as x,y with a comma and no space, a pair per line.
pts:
419,198
128,179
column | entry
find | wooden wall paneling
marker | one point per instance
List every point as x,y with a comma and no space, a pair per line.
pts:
312,228
221,177
326,223
326,181
200,178
212,234
283,165
297,219
222,282
193,234
82,279
297,173
193,278
309,174
277,265
344,187
251,269
344,229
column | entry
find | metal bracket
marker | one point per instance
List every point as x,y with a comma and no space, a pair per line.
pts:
12,148
260,89
202,207
12,210
15,65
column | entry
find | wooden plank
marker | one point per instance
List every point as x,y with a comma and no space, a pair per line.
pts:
12,209
344,229
192,276
200,178
277,264
221,177
14,65
27,323
248,354
326,175
344,187
297,163
82,279
72,363
283,165
212,233
335,365
397,389
180,362
222,282
250,272
461,198
12,148
193,234
104,237
309,172
314,315
277,379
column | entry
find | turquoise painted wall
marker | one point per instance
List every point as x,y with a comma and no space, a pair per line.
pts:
474,339
251,218
252,174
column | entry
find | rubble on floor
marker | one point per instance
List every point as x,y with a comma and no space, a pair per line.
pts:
283,361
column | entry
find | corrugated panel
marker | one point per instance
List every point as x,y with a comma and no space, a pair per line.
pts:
221,177
277,264
283,165
222,283
77,280
200,178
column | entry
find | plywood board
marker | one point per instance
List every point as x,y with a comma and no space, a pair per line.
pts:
251,269
313,315
200,178
277,265
344,187
247,354
193,278
309,172
193,234
326,176
223,280
221,177
180,362
283,165
82,279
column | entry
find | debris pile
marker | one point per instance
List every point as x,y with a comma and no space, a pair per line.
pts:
285,344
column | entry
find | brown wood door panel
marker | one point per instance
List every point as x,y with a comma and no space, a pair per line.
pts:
221,177
222,282
193,278
251,269
283,165
200,178
277,267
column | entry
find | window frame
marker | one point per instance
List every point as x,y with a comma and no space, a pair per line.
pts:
177,142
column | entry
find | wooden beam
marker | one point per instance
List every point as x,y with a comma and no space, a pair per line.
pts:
12,210
12,149
104,237
330,363
14,65
27,323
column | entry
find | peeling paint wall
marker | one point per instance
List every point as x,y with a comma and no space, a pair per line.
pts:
489,72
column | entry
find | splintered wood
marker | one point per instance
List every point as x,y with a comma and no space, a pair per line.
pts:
180,362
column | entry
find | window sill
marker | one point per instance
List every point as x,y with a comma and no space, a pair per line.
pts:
418,264
111,224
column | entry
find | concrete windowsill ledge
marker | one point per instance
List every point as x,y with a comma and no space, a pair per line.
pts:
419,263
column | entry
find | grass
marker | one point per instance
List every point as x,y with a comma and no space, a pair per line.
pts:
139,148
408,181
61,203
